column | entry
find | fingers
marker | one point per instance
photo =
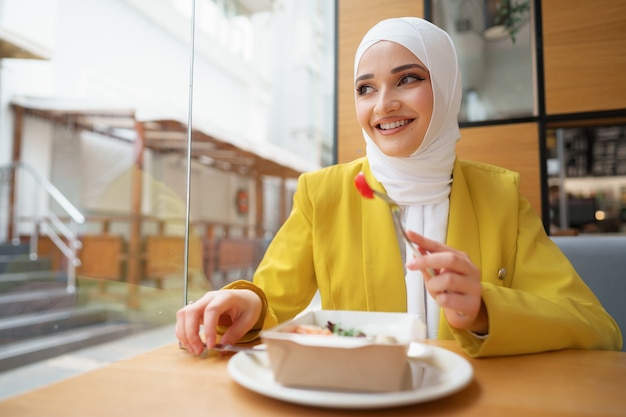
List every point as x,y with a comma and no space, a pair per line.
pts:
224,311
238,329
438,257
442,261
457,293
237,309
426,244
188,322
457,285
188,339
247,318
460,297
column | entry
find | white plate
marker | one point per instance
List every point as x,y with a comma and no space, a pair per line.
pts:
454,374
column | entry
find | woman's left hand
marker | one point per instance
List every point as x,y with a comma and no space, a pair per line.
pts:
456,285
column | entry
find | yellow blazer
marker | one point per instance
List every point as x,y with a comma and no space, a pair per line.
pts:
345,245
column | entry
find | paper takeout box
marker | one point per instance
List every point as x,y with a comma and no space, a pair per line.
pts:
343,362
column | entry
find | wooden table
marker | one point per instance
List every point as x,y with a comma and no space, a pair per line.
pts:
170,382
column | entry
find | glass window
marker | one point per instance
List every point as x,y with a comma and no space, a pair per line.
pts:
104,206
494,44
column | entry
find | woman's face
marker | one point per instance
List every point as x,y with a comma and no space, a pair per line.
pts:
394,98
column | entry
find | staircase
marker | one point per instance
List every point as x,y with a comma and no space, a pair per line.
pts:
41,319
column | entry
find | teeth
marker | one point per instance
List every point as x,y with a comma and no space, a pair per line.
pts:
393,125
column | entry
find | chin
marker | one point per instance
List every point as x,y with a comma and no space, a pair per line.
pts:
391,149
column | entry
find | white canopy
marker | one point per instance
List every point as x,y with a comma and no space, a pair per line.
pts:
169,133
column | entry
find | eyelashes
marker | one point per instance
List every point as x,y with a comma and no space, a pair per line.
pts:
405,79
364,89
409,78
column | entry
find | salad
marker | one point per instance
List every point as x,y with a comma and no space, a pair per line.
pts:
334,329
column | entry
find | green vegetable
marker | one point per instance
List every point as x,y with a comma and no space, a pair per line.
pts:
336,329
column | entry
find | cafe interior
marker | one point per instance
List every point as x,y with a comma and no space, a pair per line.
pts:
150,151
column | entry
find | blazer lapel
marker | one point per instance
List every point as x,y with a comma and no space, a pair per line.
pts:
383,269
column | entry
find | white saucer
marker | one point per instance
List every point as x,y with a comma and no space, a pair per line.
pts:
454,374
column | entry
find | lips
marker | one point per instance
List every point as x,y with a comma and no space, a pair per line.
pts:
393,125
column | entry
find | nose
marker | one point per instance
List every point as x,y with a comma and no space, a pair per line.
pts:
386,102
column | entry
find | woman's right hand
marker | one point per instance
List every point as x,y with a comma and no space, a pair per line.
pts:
238,309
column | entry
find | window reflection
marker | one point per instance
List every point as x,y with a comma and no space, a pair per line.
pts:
496,65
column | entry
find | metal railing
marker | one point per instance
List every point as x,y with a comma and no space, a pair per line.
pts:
64,236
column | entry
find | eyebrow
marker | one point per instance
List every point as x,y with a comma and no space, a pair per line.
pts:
393,71
406,67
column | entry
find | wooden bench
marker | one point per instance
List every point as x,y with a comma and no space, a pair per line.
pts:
230,258
102,257
164,257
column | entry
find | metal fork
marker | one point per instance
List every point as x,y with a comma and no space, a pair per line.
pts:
250,352
233,348
219,347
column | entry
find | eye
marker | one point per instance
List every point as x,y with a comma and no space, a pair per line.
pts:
364,89
409,79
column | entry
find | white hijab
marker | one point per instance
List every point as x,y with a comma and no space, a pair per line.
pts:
421,182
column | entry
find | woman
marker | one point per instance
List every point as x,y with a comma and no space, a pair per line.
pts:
502,287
